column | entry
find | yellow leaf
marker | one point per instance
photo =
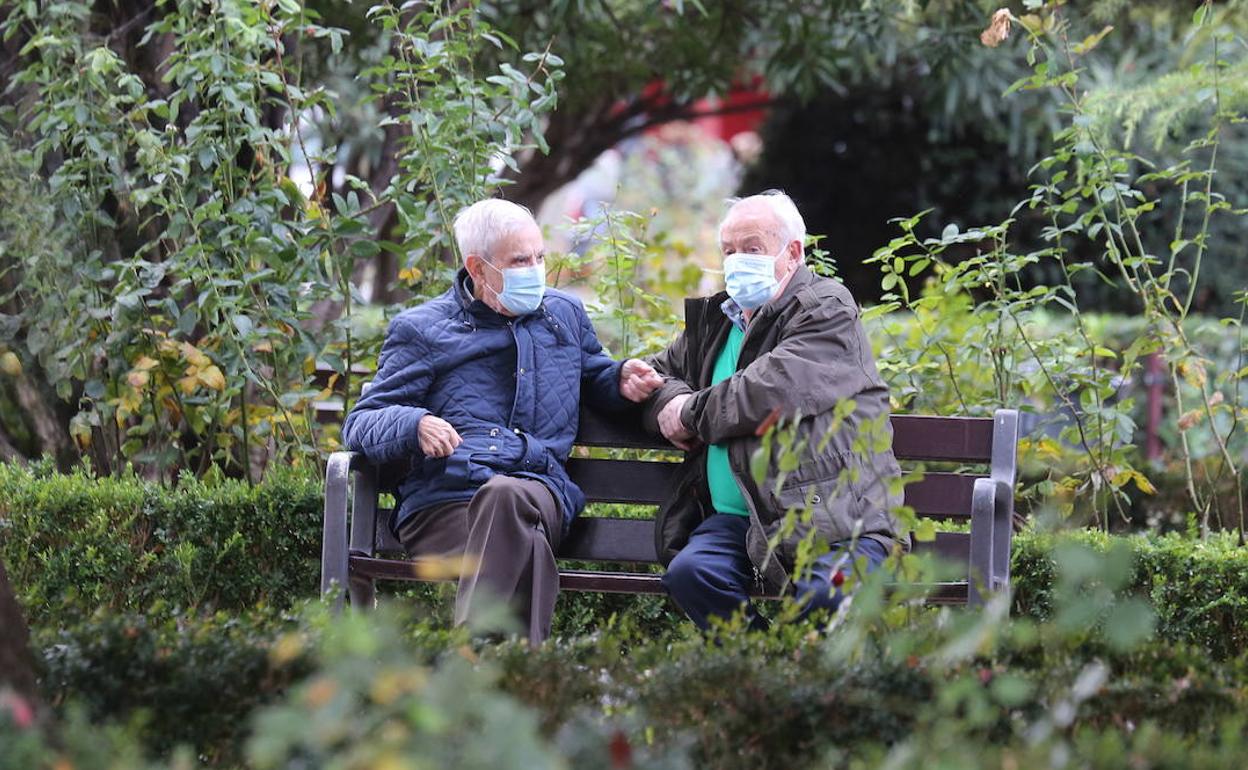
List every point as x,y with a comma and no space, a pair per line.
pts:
1032,22
194,356
1090,42
1142,483
212,378
1194,372
10,364
145,363
287,648
138,379
188,385
410,274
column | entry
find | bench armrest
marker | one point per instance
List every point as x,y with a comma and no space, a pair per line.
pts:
339,470
991,523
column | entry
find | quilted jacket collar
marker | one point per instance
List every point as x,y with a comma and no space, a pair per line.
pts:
481,313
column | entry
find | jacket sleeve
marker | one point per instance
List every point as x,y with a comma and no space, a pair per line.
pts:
670,364
600,374
383,422
819,362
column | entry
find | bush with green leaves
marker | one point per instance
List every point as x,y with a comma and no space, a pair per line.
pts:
873,684
166,277
78,543
75,544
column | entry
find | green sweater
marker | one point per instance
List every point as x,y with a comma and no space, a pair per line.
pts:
725,492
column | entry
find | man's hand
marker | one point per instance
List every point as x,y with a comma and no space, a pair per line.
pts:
638,380
437,437
671,426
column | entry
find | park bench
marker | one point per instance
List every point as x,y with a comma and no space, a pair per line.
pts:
359,548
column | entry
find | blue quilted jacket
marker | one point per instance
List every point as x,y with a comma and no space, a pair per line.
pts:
511,387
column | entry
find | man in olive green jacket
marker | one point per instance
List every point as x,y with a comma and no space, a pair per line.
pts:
783,343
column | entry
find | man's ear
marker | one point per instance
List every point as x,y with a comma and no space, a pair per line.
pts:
472,262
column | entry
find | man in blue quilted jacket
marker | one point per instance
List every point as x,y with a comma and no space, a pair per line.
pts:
478,392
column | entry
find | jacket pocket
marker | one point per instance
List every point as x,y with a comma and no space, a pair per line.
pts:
822,504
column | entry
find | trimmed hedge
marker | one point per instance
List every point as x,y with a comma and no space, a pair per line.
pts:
1199,590
75,544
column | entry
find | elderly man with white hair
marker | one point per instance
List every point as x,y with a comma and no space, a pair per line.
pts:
477,393
781,342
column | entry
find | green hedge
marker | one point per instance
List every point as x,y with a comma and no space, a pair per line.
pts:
1199,590
752,702
189,680
75,544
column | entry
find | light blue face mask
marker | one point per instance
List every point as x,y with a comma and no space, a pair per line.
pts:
751,279
523,288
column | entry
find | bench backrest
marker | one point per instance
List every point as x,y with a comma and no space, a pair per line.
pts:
984,441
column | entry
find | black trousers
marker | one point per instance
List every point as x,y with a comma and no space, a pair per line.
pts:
506,535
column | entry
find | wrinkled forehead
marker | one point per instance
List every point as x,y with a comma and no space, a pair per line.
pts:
520,241
750,220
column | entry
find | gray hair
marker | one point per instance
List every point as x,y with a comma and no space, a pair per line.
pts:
792,226
479,226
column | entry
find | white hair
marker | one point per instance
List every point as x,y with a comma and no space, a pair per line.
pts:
480,226
792,226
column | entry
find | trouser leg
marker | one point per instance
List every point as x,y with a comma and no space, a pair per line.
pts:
514,526
712,574
819,591
440,531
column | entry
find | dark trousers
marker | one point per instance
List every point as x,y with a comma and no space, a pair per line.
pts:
712,574
507,535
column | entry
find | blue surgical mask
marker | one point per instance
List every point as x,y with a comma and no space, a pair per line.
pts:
523,288
751,279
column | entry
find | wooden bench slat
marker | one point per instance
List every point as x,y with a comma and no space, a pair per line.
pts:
915,437
605,582
617,431
647,483
617,539
623,481
955,439
594,538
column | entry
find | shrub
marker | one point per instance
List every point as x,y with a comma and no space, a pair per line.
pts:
75,543
1199,590
179,680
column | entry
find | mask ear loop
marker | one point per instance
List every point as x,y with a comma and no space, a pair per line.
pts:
498,270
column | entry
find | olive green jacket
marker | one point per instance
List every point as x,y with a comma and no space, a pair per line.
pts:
803,353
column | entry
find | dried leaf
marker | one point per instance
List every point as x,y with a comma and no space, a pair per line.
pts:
998,29
1191,419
